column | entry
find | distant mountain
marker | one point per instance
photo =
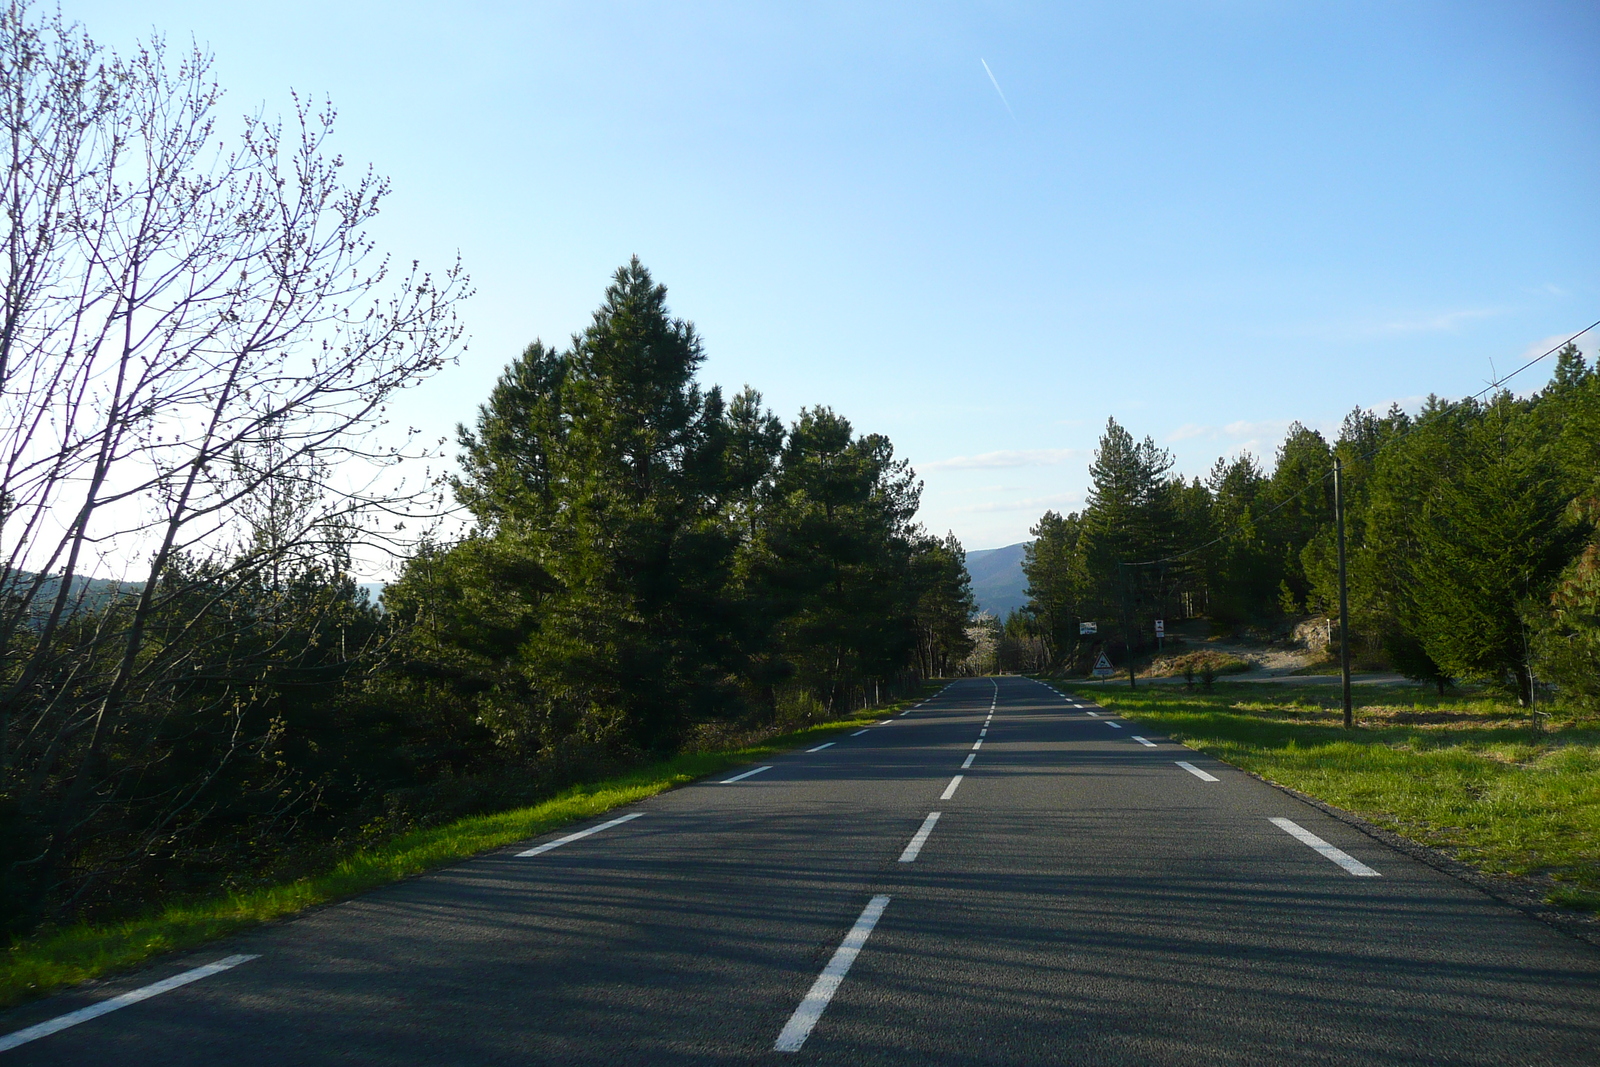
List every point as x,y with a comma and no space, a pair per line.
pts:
997,578
88,594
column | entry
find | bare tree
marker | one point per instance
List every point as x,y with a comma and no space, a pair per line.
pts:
197,344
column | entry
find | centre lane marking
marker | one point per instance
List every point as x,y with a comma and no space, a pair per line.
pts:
1342,858
983,732
970,757
798,1028
746,774
1197,772
1142,741
950,790
820,747
94,1011
920,838
538,850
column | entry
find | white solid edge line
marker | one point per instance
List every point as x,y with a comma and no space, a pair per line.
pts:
798,1028
1114,725
746,774
1339,856
94,1011
1145,743
1197,772
970,757
819,748
558,842
858,733
950,790
920,837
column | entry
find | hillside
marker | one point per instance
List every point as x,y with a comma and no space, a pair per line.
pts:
997,578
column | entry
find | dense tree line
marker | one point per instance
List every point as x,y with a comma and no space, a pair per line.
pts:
1472,540
647,555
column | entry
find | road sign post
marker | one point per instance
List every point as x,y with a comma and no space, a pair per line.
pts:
1102,667
1161,631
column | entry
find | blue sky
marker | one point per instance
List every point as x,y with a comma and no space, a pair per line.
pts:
1206,219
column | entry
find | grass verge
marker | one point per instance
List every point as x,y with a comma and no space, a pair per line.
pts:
58,958
1462,773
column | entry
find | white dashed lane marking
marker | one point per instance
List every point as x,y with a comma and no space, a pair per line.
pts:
1197,772
1342,858
920,838
746,774
798,1028
94,1011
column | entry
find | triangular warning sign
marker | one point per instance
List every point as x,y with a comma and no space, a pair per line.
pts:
1102,667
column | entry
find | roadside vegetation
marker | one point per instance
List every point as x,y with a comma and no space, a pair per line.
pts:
1469,773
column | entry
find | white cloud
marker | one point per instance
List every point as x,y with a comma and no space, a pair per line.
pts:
1269,428
1037,503
1449,320
1252,432
985,489
1191,429
1545,344
1032,457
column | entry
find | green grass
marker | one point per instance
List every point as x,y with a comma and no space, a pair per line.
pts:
57,958
1461,773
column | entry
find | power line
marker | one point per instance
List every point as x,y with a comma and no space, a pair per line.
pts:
1328,474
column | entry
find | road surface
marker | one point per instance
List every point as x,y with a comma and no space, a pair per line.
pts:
1088,893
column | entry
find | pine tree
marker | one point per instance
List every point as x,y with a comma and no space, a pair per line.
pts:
1131,519
1469,525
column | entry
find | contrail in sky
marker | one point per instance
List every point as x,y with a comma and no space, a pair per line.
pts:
997,89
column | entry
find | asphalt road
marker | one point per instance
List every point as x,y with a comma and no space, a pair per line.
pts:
1080,899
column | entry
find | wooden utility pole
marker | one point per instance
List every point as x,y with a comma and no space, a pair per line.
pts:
1344,594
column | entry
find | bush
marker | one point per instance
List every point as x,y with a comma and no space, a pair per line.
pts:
1200,662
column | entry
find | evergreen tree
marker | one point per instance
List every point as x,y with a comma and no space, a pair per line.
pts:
1057,582
1468,523
945,605
1130,519
836,556
1298,503
1242,569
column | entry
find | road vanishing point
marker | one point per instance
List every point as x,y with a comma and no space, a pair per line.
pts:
1000,876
